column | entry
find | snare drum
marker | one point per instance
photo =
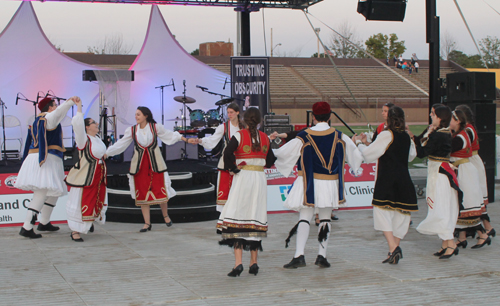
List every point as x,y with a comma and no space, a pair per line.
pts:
213,117
188,130
197,118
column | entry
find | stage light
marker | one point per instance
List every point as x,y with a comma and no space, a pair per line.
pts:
386,10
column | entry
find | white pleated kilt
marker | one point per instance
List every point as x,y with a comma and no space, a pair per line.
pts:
478,163
168,184
49,176
326,194
442,203
247,202
74,211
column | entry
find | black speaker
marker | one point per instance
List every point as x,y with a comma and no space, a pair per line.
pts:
89,75
385,10
70,157
471,86
485,117
280,129
487,149
490,183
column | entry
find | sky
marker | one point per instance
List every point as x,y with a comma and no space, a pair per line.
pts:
76,26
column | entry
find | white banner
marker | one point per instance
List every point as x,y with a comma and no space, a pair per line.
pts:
13,208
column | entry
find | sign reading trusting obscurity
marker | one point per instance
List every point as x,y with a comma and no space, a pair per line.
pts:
250,82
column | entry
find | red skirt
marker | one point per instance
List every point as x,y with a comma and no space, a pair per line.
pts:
223,186
149,185
93,196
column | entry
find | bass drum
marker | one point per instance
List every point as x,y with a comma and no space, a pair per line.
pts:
213,117
197,118
216,151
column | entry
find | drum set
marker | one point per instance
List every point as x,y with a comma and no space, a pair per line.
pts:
199,120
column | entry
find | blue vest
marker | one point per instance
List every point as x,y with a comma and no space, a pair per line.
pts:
43,141
322,157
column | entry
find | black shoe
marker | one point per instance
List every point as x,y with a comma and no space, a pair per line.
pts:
480,245
316,221
143,230
322,262
388,258
169,224
444,256
462,244
91,228
254,269
29,234
397,254
47,227
236,271
76,240
296,263
441,252
492,233
334,218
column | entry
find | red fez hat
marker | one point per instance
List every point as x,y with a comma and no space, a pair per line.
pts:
320,108
44,103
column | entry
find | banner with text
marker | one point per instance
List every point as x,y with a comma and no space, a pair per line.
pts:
250,82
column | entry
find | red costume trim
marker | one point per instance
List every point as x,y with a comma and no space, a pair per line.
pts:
465,152
244,149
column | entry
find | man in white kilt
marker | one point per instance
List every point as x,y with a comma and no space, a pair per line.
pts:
321,152
42,170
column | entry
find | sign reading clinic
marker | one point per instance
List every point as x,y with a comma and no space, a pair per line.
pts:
250,82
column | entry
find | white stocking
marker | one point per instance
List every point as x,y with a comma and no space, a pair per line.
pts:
324,215
34,208
47,208
305,214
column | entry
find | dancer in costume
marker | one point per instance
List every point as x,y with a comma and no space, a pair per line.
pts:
320,153
87,197
383,125
224,131
243,220
469,220
148,178
394,197
443,194
42,170
478,163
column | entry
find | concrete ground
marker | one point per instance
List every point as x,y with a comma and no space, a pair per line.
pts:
184,265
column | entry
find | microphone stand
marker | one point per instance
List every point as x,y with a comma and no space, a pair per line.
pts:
184,155
23,98
5,163
164,146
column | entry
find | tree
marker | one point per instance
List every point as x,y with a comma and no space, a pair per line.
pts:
448,44
490,46
196,52
112,44
383,46
340,46
462,59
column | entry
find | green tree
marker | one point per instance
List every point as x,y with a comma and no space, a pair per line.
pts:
490,46
196,52
464,60
383,46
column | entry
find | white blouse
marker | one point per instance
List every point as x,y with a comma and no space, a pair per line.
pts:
144,138
55,117
210,142
376,149
98,147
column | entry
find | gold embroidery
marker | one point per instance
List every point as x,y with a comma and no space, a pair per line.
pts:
460,161
251,168
319,176
264,149
246,149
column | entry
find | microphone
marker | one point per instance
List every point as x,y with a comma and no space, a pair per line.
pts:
173,84
17,98
225,82
201,87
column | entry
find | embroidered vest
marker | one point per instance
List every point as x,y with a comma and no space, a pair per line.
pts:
465,152
83,172
43,141
379,130
155,158
475,142
244,149
322,157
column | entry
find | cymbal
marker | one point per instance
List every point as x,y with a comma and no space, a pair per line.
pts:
183,99
224,101
174,119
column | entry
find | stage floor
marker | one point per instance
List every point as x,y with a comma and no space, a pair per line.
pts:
184,265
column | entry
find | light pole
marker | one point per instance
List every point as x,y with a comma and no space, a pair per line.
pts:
272,48
317,33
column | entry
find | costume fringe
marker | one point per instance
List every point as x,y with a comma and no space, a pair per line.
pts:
470,231
246,245
323,232
485,217
293,231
